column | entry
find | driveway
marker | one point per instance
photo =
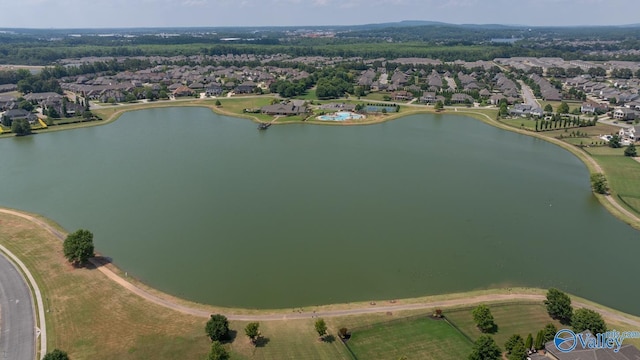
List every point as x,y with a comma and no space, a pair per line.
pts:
527,95
17,317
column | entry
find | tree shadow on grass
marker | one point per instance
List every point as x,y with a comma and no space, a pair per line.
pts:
96,262
329,339
262,341
231,337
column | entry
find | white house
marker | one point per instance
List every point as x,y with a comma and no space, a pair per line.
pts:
631,133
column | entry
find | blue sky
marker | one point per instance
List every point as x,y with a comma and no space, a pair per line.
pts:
180,13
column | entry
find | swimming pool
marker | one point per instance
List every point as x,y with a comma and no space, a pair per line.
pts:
341,116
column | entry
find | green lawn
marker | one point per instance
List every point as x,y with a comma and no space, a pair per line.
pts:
511,319
376,96
287,339
623,174
605,150
310,95
572,104
528,123
416,337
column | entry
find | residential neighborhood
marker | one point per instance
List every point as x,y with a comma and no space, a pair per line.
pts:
405,80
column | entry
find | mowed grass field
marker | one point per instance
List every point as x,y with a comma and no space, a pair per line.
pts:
416,338
515,318
623,174
91,317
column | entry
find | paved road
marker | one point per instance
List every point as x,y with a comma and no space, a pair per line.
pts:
17,318
527,95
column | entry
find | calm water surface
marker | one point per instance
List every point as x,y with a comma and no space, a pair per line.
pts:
210,209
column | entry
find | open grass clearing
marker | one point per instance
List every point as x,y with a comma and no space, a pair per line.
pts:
309,95
622,173
288,339
512,318
417,338
604,150
378,96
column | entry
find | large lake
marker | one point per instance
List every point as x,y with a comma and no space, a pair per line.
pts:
208,208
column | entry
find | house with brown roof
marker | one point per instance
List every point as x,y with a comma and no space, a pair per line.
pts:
402,95
182,91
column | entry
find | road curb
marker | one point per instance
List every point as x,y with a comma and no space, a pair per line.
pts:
41,323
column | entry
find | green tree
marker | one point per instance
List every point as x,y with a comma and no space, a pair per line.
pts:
218,103
585,319
130,98
519,352
439,105
559,305
512,341
599,183
20,127
53,113
550,331
539,343
548,108
56,355
631,151
321,328
26,105
252,331
78,246
528,344
217,352
6,121
503,109
485,348
217,328
483,318
149,95
614,142
563,108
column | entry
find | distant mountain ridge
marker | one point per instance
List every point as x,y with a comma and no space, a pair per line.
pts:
354,27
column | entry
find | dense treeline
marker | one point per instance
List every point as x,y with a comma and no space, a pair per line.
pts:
442,41
27,82
49,53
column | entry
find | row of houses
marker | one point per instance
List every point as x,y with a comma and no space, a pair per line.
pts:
626,95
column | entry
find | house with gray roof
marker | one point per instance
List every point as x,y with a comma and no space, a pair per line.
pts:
286,109
39,97
20,114
525,110
8,87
